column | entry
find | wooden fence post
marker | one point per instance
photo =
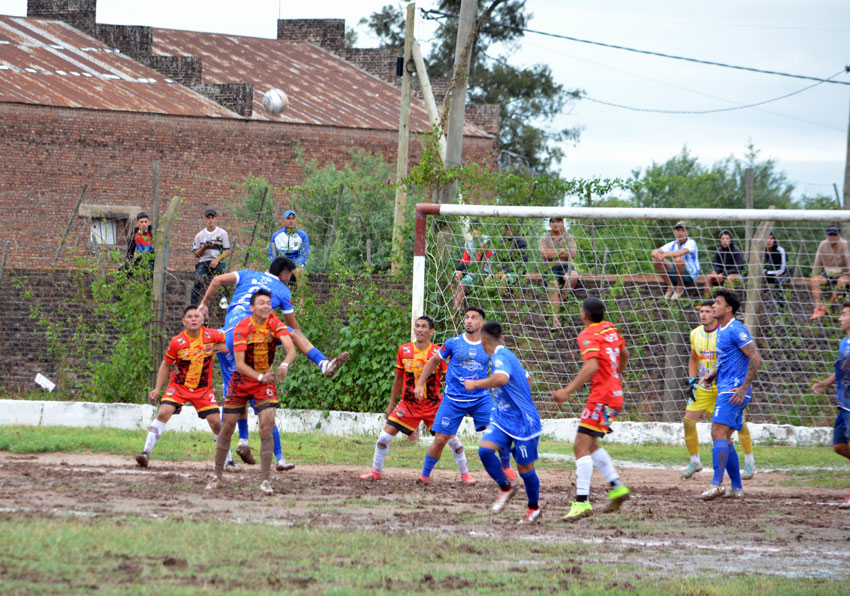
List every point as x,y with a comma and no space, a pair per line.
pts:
70,222
156,341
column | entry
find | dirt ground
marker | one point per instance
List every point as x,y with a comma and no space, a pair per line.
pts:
665,529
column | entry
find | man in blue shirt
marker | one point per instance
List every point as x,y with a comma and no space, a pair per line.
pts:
738,362
467,360
289,241
677,261
841,379
514,422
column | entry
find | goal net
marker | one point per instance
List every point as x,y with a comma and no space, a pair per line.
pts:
505,272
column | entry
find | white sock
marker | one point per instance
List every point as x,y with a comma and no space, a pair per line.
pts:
323,365
695,460
584,470
605,464
749,459
157,428
229,457
243,442
382,445
460,455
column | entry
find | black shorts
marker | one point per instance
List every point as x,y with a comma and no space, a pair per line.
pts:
561,273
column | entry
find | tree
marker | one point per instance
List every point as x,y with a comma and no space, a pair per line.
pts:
528,97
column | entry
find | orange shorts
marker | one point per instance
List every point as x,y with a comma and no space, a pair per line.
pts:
202,399
408,414
243,389
597,418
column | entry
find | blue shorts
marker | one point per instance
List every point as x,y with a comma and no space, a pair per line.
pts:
841,431
524,452
450,414
689,277
730,414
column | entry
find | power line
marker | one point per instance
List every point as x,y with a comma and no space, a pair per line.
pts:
714,111
436,15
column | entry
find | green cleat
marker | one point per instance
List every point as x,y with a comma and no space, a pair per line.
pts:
616,496
749,472
578,510
691,470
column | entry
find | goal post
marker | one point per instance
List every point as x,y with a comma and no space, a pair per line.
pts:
508,277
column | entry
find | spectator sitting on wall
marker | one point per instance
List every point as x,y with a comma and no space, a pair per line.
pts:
289,241
211,247
476,250
512,258
677,261
728,263
559,248
775,266
831,267
140,242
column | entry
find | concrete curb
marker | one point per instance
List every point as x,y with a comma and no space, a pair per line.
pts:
138,417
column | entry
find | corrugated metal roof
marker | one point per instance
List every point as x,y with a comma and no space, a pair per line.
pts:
48,62
322,87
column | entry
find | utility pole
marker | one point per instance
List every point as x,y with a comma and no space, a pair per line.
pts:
403,140
748,190
457,92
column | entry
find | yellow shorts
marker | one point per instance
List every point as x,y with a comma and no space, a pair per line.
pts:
705,400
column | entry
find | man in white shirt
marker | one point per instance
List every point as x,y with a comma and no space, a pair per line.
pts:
211,246
677,261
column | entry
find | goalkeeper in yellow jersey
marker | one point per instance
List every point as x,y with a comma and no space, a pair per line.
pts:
703,361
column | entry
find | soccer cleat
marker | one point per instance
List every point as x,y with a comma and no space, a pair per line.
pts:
266,487
818,312
283,465
713,491
677,294
509,472
531,516
734,493
502,499
749,472
668,294
691,470
371,475
845,504
244,452
616,496
142,459
231,467
215,483
578,510
423,479
331,366
467,478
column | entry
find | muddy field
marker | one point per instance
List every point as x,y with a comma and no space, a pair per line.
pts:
665,529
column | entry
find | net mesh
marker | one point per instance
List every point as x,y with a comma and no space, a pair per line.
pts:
506,275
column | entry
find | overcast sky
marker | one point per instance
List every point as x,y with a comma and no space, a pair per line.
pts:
806,134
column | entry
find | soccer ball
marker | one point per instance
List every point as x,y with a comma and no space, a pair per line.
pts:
275,101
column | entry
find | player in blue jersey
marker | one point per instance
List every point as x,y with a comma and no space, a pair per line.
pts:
738,362
841,379
467,360
247,282
514,422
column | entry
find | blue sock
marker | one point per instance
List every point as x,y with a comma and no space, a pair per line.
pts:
719,455
429,464
505,458
532,488
316,356
278,452
493,466
242,423
733,466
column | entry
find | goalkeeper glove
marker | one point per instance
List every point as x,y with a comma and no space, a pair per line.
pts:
692,388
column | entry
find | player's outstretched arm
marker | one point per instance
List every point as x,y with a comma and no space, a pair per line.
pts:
291,321
225,279
495,380
161,377
819,386
397,383
427,371
588,369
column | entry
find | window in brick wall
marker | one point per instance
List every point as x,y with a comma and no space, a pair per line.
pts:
106,231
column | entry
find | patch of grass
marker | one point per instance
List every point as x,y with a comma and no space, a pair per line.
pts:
135,556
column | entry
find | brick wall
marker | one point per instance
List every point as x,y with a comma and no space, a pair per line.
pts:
49,153
26,350
486,116
327,33
135,41
376,61
77,13
236,97
185,70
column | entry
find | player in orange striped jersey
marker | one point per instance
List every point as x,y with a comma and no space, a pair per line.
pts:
190,354
410,412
